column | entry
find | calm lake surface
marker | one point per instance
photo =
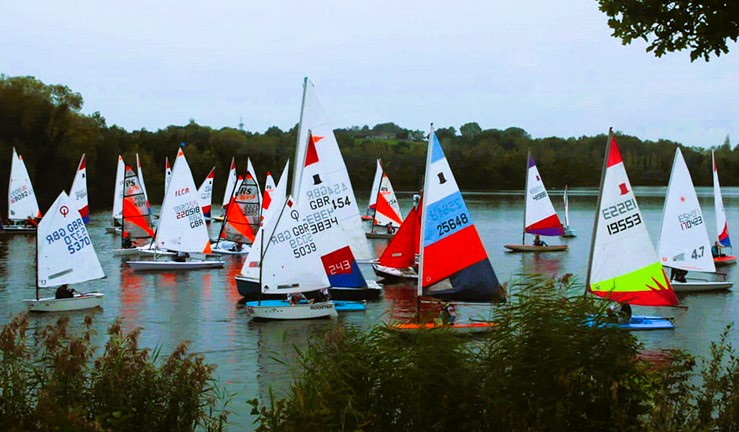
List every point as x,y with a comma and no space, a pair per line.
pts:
202,306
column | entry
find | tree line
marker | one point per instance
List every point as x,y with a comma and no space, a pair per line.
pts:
45,124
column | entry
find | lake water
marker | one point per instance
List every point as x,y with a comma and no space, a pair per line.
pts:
202,306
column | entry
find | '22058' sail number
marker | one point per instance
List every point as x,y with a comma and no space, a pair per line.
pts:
624,224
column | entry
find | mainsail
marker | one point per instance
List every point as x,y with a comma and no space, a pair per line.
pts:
78,192
540,217
167,175
205,193
401,251
623,264
454,263
136,219
230,185
387,210
722,225
120,173
140,174
243,213
22,202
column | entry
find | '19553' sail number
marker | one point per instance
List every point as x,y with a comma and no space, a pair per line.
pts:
624,224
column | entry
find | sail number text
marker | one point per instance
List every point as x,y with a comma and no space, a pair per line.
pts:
452,224
619,209
191,211
74,236
624,224
690,219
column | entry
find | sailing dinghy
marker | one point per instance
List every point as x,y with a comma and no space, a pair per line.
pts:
539,215
241,221
399,259
623,263
136,228
447,230
683,238
120,173
181,225
569,232
64,255
205,194
78,192
722,227
387,214
23,211
374,190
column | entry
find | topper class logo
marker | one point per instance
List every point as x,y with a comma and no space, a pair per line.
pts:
64,210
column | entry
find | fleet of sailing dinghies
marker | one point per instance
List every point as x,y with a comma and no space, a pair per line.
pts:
205,194
181,227
623,263
65,255
387,215
78,192
120,173
22,205
539,215
683,238
568,231
447,230
722,227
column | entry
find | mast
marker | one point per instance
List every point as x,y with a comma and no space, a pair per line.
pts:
298,171
37,263
423,221
597,206
525,197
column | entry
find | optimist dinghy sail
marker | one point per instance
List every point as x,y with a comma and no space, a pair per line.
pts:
447,231
22,202
205,193
78,192
623,263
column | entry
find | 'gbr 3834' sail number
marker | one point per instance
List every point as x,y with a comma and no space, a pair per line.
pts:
623,223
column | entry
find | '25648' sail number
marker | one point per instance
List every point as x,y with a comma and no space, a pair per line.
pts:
452,224
624,224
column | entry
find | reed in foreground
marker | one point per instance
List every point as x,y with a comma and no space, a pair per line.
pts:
551,364
54,381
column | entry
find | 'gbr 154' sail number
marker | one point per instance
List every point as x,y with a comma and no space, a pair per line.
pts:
617,210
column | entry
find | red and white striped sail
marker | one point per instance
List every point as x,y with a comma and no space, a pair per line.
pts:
140,174
230,184
120,173
375,188
205,193
136,220
242,215
78,192
167,175
540,216
722,226
683,238
181,224
269,187
65,251
387,210
314,121
22,202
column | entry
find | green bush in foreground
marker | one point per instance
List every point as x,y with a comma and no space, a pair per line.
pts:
549,365
57,384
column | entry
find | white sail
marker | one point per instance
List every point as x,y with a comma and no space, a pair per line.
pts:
566,207
120,173
140,175
722,227
623,263
269,187
314,122
181,224
230,184
205,193
683,238
291,263
250,170
375,188
387,209
78,192
65,252
540,217
22,202
167,175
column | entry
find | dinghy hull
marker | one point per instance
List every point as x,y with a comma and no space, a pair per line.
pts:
532,248
378,235
17,229
457,328
174,265
281,310
78,302
724,260
249,289
700,286
394,273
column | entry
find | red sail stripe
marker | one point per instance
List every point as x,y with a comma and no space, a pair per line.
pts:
452,254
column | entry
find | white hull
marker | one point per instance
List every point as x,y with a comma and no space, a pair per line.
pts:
406,273
224,248
143,250
174,265
292,312
700,286
51,304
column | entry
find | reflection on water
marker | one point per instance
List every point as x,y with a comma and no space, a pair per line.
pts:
202,306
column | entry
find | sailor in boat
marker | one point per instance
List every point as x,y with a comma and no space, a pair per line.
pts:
716,250
448,313
390,228
64,292
181,257
31,222
322,296
127,243
678,275
237,247
619,312
295,298
539,242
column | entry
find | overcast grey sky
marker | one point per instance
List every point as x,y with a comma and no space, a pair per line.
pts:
547,66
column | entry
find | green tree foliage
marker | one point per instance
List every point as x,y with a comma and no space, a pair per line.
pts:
701,26
45,124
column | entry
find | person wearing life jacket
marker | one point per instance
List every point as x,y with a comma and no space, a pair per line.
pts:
539,242
64,292
716,250
619,313
448,313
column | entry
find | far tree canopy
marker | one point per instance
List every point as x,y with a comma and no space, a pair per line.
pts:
701,26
